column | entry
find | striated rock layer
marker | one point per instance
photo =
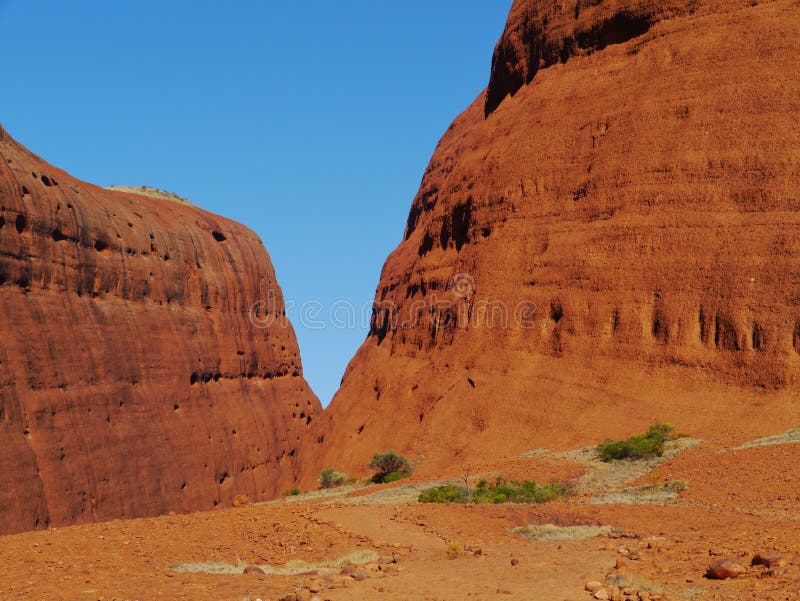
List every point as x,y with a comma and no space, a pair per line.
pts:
135,376
623,205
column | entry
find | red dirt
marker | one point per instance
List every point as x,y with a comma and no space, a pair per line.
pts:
133,380
664,548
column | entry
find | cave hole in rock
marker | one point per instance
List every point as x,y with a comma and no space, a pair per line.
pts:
21,223
59,236
556,310
100,245
725,335
759,341
461,220
426,246
218,236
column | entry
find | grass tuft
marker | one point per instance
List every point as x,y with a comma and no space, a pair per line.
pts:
553,532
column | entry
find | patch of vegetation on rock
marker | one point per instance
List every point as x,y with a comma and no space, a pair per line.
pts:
641,446
330,478
502,491
390,466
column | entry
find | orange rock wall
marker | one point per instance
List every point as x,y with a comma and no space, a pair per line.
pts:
627,190
132,379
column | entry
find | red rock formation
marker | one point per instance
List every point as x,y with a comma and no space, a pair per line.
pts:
624,200
133,380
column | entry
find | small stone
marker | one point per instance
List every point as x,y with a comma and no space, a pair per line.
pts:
770,560
772,572
602,594
620,563
253,570
241,501
724,569
593,586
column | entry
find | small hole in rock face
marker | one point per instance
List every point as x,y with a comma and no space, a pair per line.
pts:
21,223
218,236
25,191
58,235
556,310
47,181
100,245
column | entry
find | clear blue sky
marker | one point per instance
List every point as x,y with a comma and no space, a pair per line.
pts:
310,122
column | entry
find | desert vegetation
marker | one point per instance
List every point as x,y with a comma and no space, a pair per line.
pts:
330,478
502,491
389,466
640,446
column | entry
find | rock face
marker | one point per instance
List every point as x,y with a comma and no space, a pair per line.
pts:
606,236
139,373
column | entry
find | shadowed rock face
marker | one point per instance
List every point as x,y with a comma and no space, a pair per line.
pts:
133,380
622,205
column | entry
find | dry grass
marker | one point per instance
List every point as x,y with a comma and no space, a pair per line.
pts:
152,193
553,532
791,436
642,495
291,568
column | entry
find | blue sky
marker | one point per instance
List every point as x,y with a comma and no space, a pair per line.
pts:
310,122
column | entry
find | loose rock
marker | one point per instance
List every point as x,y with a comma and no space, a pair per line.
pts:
724,569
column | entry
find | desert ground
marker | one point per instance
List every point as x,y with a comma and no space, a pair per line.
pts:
644,529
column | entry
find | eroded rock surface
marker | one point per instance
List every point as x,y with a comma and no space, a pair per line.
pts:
604,238
133,380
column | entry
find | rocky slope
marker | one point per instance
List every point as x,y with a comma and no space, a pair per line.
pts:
139,373
605,237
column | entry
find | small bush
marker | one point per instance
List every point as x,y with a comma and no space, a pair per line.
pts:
292,492
449,493
390,466
641,446
454,550
502,491
394,477
330,478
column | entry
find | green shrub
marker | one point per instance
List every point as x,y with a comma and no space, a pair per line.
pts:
292,492
394,476
502,491
330,478
449,493
641,446
389,464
